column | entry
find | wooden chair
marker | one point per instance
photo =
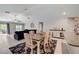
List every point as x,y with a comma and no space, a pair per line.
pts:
40,36
46,42
29,41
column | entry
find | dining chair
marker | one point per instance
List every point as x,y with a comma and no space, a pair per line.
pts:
46,42
40,42
29,41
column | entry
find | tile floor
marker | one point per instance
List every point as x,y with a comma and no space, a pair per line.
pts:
7,41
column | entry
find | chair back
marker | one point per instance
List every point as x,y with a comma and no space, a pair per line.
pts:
28,38
46,42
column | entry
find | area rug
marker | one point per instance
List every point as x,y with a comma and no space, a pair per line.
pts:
20,48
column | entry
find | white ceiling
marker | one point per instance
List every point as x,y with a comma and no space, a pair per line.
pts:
18,8
52,11
42,11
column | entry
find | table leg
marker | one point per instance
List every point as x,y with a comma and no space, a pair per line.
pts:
31,50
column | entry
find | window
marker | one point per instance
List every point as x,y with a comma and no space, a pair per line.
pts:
19,27
3,28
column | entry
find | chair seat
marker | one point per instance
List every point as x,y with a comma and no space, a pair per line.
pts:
31,46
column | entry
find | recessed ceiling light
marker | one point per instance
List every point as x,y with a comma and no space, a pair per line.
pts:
25,9
28,17
7,12
64,13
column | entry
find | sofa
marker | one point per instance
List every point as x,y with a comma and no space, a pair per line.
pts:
19,35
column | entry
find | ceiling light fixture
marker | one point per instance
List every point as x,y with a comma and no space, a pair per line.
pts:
64,13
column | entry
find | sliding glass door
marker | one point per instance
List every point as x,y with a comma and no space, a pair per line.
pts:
3,28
